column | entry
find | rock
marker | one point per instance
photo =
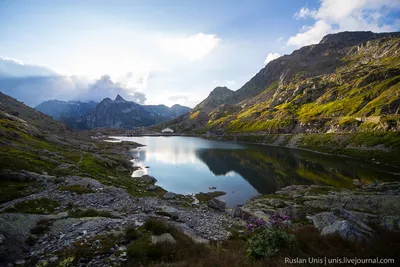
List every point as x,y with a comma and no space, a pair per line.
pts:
164,238
53,259
291,212
148,179
218,204
324,219
343,223
169,195
151,188
168,211
261,215
237,212
20,262
349,230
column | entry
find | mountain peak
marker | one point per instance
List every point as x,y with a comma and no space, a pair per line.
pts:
119,98
355,37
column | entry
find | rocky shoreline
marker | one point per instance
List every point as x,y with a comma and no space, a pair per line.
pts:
66,212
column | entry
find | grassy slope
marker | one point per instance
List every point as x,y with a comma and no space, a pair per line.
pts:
23,147
363,86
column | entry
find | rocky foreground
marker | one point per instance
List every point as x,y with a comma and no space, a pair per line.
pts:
74,210
59,208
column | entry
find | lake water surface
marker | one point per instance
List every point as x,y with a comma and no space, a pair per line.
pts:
187,165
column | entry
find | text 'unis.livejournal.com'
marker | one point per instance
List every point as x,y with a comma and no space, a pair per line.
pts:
339,260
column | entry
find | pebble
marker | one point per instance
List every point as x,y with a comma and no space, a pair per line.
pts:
53,259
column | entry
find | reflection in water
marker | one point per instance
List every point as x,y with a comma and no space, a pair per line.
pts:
189,165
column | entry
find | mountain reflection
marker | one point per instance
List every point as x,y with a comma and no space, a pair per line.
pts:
188,165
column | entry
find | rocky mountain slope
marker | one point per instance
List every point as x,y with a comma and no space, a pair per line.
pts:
130,115
108,113
63,109
349,82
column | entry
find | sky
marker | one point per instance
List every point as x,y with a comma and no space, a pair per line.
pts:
159,51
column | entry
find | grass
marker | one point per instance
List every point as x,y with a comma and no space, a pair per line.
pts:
205,197
78,213
10,190
78,189
35,206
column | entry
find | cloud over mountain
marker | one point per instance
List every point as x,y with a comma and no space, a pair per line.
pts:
34,84
342,15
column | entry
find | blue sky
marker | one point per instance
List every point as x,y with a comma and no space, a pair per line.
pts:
166,51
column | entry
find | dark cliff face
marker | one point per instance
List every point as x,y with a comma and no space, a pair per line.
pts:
324,87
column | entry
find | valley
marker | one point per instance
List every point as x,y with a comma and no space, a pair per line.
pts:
301,161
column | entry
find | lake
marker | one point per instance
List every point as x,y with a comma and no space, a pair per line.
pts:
188,165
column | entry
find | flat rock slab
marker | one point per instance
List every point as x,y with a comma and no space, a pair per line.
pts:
164,238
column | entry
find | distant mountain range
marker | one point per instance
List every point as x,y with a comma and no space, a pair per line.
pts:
63,109
118,113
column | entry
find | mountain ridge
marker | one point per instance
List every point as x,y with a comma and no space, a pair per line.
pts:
119,113
325,87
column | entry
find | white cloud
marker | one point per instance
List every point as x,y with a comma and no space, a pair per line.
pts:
270,57
310,35
344,15
194,47
304,13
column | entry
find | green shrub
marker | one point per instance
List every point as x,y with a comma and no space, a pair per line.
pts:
132,233
267,243
156,227
78,189
90,213
68,262
35,206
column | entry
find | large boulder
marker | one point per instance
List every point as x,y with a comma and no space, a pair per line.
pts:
217,204
342,223
324,219
169,211
349,230
148,179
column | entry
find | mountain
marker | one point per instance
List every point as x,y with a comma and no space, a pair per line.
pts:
30,121
62,109
349,82
118,113
121,113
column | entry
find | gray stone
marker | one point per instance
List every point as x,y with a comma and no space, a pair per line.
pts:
151,188
324,219
169,211
169,195
148,179
164,238
53,259
290,211
237,212
217,204
349,230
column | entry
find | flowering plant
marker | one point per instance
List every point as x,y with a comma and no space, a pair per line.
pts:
255,222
